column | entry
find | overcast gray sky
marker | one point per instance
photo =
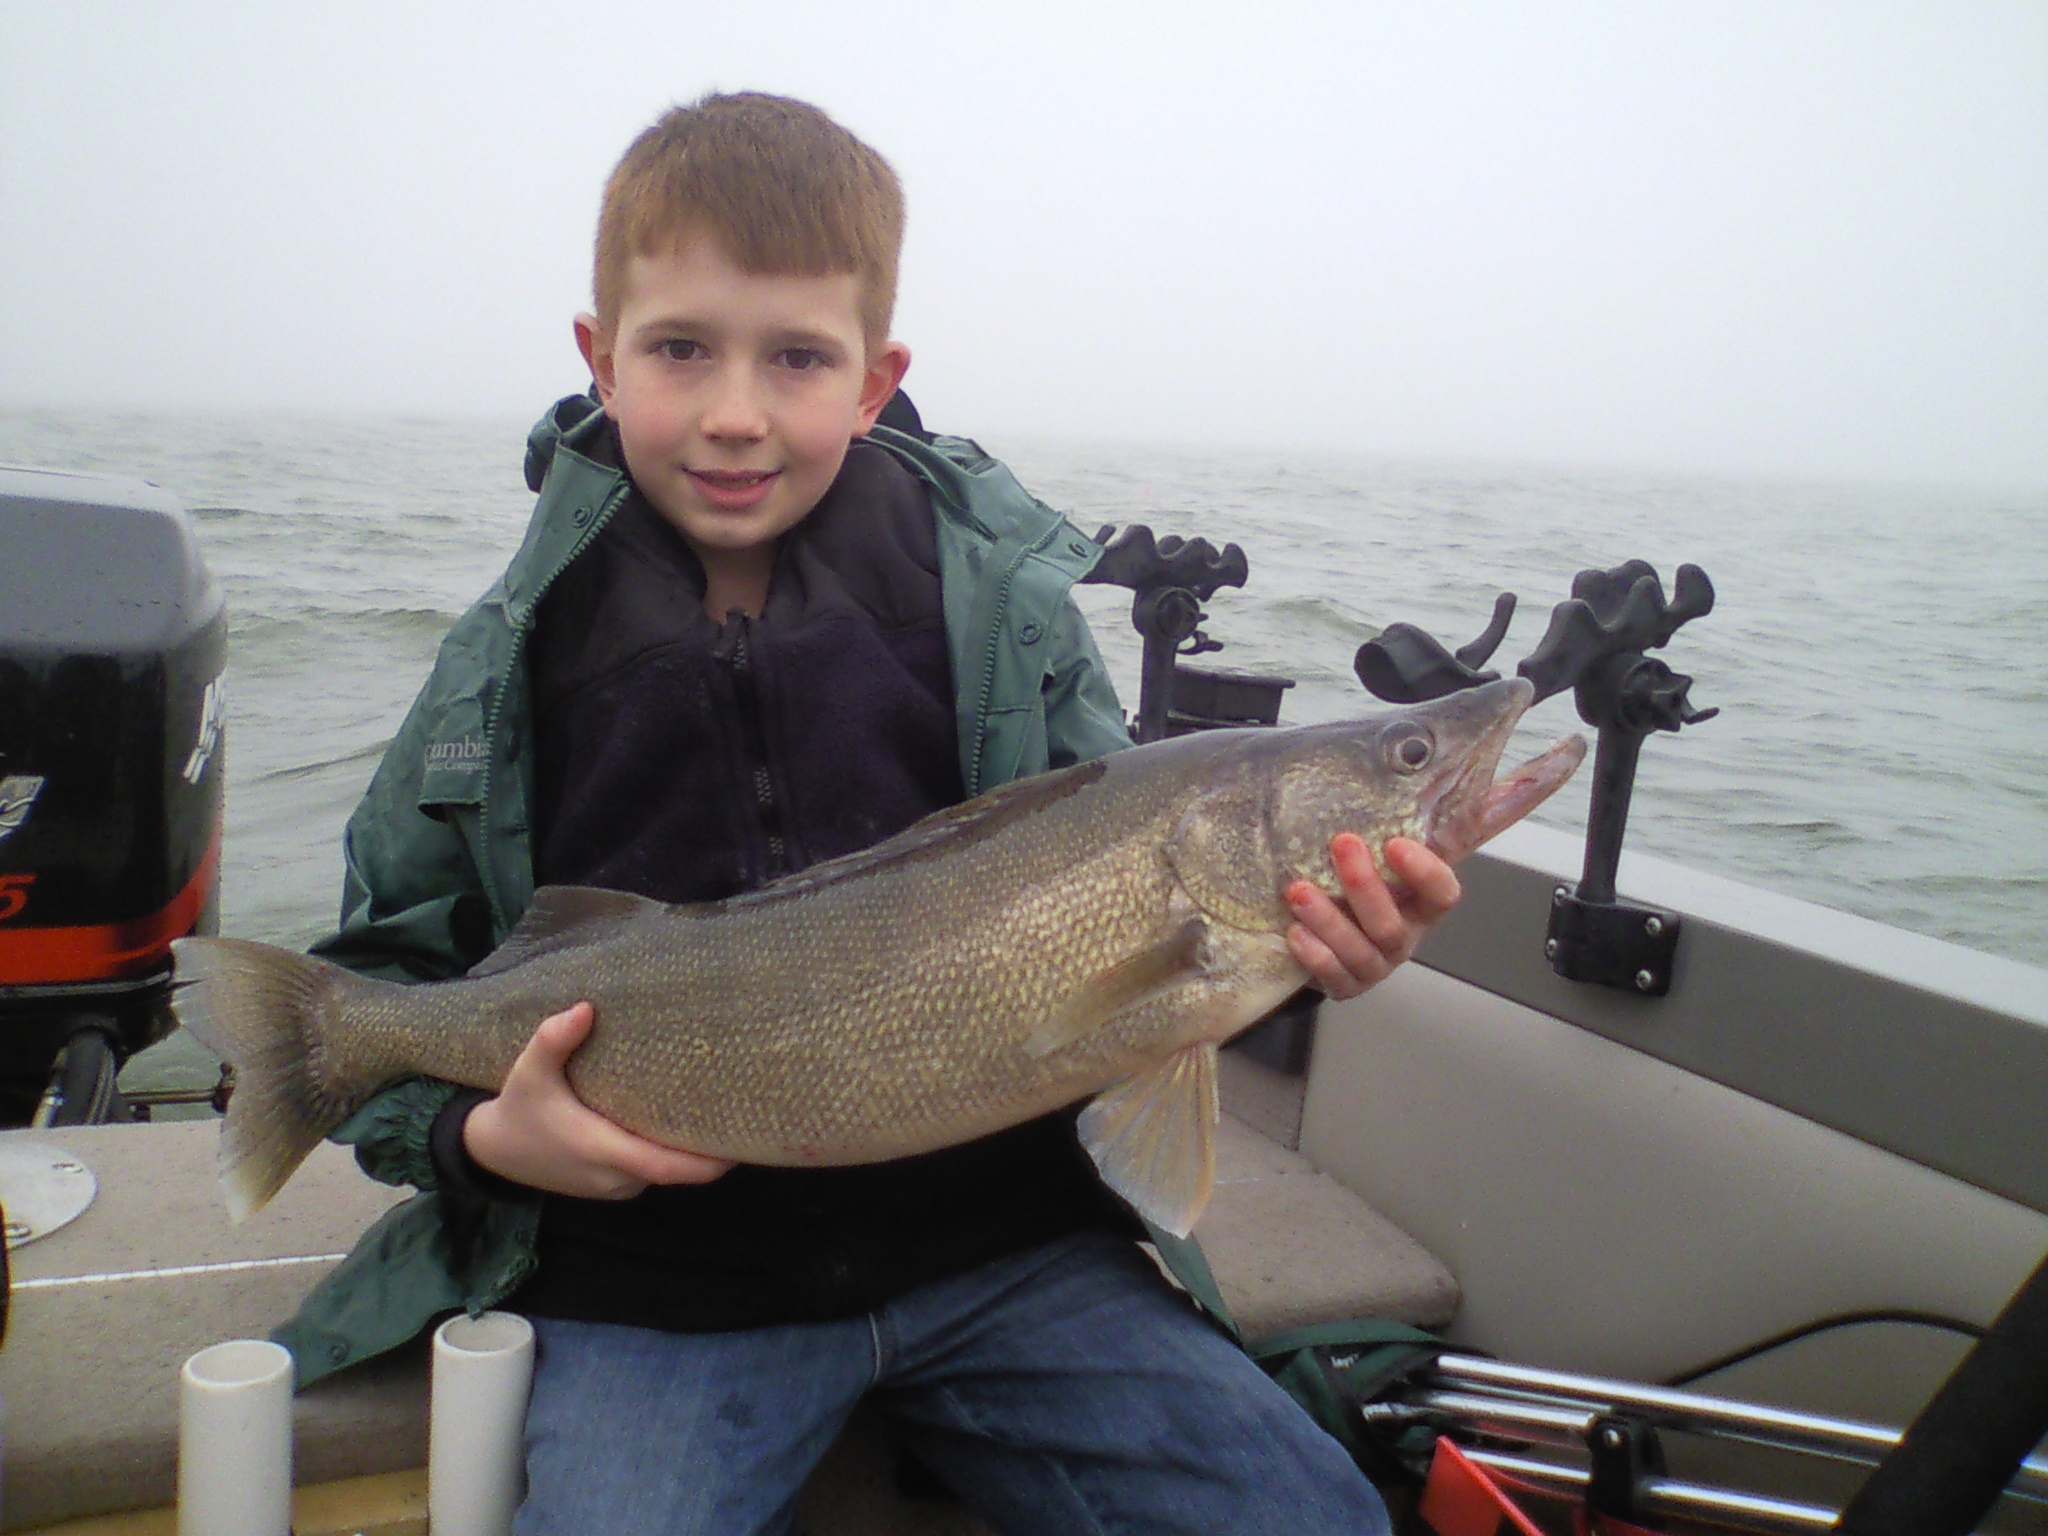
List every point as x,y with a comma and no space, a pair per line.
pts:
1774,237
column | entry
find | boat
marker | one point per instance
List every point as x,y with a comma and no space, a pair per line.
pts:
1696,1244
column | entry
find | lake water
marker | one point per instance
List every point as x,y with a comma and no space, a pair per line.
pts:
1877,653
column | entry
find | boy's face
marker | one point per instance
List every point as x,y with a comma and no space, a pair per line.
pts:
736,394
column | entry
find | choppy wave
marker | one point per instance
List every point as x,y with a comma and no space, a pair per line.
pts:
285,624
368,753
1876,650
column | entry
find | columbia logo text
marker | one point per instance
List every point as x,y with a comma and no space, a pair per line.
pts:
468,753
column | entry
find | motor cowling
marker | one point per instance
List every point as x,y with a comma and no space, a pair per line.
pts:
112,640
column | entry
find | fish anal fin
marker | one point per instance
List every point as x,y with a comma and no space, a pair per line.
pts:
563,917
1153,1137
1175,957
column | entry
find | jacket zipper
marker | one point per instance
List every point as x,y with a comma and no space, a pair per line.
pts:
517,627
995,632
754,739
526,1259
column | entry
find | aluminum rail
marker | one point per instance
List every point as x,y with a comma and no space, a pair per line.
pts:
1669,1496
1506,1418
1565,1429
1691,1413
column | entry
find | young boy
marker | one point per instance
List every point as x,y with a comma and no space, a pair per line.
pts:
749,630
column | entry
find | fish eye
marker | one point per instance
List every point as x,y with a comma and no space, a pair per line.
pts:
1408,746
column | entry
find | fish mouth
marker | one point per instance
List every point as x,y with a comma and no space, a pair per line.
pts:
1475,805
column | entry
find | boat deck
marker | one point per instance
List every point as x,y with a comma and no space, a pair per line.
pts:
105,1310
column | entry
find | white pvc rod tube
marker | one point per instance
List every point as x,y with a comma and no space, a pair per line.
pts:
476,1437
235,1441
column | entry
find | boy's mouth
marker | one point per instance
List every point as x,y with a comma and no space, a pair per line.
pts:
733,490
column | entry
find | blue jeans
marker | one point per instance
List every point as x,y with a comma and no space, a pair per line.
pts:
1065,1390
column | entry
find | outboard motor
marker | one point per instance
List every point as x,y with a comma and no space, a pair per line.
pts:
112,640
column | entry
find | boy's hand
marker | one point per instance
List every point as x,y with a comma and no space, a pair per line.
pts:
1344,952
536,1132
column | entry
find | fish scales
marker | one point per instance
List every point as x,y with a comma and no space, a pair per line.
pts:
1096,930
828,1025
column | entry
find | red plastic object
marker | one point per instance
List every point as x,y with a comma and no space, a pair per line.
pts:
1461,1498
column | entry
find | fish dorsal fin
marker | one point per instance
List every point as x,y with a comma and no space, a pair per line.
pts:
979,817
561,917
1153,1136
1173,958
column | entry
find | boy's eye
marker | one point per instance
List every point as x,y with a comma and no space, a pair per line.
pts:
680,349
802,359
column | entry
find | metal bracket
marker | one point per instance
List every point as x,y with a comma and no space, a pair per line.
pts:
1612,943
1625,1453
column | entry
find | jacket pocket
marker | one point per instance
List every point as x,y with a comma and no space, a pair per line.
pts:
453,759
1013,744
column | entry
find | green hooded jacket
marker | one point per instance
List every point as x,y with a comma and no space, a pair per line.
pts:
439,856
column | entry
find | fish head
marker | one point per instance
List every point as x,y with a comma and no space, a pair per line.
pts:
1424,772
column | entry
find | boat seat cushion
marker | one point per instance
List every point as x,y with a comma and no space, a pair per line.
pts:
1290,1246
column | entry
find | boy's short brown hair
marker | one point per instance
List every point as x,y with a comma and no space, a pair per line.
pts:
779,185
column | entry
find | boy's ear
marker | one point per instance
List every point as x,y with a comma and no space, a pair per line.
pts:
885,371
595,343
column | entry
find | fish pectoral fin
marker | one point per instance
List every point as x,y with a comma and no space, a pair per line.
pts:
562,917
1173,959
1153,1137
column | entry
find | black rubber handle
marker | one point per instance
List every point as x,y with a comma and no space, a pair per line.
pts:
1958,1456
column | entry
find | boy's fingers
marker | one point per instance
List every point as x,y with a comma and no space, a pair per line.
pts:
603,1160
1334,976
556,1040
1329,945
1346,951
1378,915
1433,885
1316,958
670,1166
1332,933
649,1161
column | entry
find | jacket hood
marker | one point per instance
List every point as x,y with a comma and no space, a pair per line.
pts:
561,420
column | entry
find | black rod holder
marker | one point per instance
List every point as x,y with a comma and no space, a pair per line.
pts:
1167,617
1172,578
1594,647
1614,783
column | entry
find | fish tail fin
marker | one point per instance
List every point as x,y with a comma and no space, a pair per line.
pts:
263,1011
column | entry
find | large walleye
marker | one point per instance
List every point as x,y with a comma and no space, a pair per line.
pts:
1097,930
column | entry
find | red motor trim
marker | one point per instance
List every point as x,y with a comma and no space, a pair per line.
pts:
106,951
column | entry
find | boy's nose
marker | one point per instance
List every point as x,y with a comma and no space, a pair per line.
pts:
735,407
